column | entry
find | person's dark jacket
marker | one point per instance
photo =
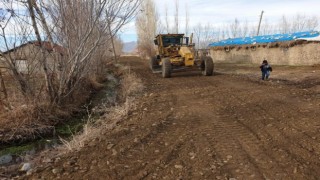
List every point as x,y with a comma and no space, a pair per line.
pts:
265,67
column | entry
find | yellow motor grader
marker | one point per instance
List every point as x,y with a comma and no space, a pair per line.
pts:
177,53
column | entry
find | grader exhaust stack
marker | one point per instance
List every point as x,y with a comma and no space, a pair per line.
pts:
191,38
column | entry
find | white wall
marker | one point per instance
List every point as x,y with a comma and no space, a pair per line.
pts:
303,54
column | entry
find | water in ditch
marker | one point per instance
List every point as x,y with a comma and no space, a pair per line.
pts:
14,154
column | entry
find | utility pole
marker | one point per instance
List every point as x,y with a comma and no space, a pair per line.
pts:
260,22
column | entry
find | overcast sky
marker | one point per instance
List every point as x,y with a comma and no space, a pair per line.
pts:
218,12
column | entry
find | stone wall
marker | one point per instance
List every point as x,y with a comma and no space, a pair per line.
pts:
302,54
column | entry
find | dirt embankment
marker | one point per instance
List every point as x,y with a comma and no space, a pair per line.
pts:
231,125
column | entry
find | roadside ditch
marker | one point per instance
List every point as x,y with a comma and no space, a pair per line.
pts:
104,110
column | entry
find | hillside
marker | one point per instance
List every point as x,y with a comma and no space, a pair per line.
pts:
129,47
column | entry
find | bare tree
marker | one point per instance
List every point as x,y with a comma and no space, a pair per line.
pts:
176,17
82,27
147,26
208,36
245,29
218,33
225,32
298,23
187,20
3,91
267,28
301,22
160,27
31,6
106,17
204,35
198,34
167,19
235,30
312,23
8,18
284,25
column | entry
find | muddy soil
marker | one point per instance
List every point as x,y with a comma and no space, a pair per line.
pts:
228,126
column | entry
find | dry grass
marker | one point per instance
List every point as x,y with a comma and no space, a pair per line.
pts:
22,119
28,121
78,140
130,83
95,84
131,87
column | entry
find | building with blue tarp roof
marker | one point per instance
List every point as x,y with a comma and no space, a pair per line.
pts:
265,39
300,48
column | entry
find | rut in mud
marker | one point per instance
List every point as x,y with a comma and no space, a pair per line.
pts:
196,127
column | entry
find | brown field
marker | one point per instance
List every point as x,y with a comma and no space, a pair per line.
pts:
231,125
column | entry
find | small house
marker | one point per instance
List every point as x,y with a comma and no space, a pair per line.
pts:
27,57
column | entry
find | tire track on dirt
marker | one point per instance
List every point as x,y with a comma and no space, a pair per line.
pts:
228,146
292,146
301,152
145,143
237,136
252,142
267,135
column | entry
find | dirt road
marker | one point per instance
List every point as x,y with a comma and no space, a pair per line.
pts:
221,127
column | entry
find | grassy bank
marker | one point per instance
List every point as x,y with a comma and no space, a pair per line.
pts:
107,114
29,121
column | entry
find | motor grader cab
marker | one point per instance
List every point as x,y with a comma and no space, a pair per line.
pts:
175,53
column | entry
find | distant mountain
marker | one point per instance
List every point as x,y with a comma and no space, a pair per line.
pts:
129,46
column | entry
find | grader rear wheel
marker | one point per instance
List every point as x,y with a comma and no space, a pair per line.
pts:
207,66
153,63
166,68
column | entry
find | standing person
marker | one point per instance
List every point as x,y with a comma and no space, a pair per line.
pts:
265,69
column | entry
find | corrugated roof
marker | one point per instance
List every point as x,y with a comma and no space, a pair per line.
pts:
317,38
266,39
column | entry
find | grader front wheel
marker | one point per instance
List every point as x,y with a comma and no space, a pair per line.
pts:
166,68
207,66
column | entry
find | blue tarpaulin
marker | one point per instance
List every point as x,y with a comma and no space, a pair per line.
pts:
265,39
